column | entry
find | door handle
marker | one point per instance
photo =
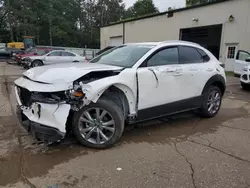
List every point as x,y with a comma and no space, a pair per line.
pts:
170,70
210,69
193,69
178,72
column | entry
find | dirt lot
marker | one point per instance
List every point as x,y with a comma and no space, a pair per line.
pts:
185,151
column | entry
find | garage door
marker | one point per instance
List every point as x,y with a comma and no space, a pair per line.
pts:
116,41
208,37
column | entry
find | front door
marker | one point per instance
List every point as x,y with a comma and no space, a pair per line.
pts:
231,50
240,61
158,82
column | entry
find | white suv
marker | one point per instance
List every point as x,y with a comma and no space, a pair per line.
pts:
245,77
126,84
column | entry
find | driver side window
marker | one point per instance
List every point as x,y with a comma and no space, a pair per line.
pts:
168,56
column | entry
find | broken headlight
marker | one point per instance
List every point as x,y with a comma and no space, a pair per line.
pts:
52,98
76,92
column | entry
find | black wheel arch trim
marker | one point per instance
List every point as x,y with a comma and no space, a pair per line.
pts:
214,80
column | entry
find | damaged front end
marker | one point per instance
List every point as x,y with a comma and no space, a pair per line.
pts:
46,114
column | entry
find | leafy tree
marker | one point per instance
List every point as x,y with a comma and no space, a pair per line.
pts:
197,2
143,7
64,22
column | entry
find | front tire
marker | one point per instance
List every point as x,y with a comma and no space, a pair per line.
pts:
212,102
245,86
37,63
98,125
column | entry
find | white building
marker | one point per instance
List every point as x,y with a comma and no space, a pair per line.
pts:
223,27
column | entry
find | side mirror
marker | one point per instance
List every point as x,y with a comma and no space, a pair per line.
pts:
35,53
248,60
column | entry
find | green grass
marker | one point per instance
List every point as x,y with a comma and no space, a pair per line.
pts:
229,73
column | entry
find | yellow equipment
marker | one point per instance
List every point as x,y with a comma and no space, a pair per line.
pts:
18,45
28,41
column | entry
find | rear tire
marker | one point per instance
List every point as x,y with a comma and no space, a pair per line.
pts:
245,86
37,63
88,129
212,102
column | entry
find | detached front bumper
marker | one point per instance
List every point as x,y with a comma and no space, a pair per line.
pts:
46,121
40,132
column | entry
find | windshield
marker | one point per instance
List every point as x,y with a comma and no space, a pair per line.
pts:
123,56
42,52
30,50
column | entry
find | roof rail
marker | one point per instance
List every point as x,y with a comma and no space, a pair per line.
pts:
180,41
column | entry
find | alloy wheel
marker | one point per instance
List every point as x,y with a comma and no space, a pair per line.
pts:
96,125
214,102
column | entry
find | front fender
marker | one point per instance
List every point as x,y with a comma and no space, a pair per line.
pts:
94,90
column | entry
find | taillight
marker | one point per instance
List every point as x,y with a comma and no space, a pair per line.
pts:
86,59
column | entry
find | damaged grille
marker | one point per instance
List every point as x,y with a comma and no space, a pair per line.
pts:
51,98
25,96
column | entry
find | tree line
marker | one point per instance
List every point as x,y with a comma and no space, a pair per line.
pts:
73,23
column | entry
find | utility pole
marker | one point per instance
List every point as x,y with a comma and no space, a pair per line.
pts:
9,21
50,24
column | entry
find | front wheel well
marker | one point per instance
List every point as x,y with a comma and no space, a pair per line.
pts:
118,97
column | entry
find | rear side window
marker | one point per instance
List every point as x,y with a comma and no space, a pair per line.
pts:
67,54
205,57
189,55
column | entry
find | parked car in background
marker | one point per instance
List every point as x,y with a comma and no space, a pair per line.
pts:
104,50
53,57
245,76
242,60
7,53
130,83
32,52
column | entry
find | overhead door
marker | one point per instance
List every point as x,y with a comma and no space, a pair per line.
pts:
116,41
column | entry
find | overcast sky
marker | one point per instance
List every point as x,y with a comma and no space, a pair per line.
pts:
161,4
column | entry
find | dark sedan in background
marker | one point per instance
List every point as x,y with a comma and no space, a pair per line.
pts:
7,53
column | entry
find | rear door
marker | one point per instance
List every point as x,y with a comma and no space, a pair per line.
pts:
197,69
68,57
240,61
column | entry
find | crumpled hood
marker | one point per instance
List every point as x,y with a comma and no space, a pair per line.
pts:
65,73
